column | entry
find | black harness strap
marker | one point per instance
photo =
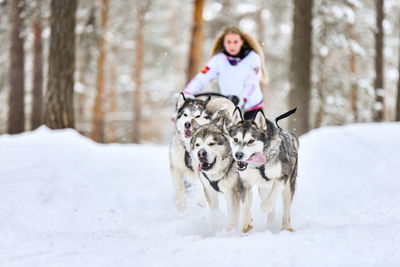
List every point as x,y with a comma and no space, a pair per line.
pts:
214,184
210,94
284,115
233,98
262,172
188,160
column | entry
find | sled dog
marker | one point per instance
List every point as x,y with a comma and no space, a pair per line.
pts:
266,156
212,154
181,165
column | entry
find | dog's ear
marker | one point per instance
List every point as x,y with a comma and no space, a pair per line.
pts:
195,125
259,120
227,124
237,116
220,121
181,101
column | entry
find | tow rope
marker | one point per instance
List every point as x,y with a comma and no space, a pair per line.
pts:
284,115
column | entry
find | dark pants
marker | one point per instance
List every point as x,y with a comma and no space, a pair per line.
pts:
249,116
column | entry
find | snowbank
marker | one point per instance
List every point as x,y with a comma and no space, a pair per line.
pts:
67,201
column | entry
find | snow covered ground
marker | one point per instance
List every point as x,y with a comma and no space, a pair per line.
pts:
67,201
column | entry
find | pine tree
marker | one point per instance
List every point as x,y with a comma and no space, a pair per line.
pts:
398,87
141,8
379,79
37,91
59,112
196,43
98,108
300,67
16,116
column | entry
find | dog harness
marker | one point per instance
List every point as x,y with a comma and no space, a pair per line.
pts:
261,169
214,184
188,160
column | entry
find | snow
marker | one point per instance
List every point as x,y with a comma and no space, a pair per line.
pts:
67,201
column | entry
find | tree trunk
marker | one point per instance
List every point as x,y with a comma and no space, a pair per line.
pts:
178,80
112,98
260,27
98,109
16,114
137,115
353,74
261,39
59,108
87,40
379,84
321,73
196,43
320,90
354,87
37,97
300,67
398,87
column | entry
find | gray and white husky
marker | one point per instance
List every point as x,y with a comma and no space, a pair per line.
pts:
266,156
211,152
181,164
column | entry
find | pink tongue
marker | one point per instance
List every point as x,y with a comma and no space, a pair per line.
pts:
188,133
257,158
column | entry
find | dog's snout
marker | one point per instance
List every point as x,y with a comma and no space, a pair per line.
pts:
202,154
239,155
188,124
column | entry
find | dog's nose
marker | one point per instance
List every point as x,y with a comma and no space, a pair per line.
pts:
187,124
239,155
202,154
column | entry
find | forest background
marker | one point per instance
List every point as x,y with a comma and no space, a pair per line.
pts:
113,69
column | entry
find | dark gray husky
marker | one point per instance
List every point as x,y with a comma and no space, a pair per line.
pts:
266,156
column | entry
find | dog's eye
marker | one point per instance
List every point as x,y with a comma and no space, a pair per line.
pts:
207,117
197,144
251,141
198,116
235,140
184,114
211,144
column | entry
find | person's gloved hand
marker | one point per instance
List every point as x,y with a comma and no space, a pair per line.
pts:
237,101
234,99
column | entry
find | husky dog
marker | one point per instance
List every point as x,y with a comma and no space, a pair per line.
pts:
180,161
266,156
211,151
181,165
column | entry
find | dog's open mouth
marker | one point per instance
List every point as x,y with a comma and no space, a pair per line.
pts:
205,166
241,165
188,133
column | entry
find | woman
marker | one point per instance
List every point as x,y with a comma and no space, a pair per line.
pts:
237,61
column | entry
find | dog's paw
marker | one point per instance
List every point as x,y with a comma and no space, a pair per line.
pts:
246,228
202,203
230,227
180,204
267,206
287,228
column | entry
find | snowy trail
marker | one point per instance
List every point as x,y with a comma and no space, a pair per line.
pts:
67,201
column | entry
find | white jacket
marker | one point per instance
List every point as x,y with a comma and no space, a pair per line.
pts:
242,80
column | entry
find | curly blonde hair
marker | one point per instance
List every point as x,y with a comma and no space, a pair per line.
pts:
249,42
